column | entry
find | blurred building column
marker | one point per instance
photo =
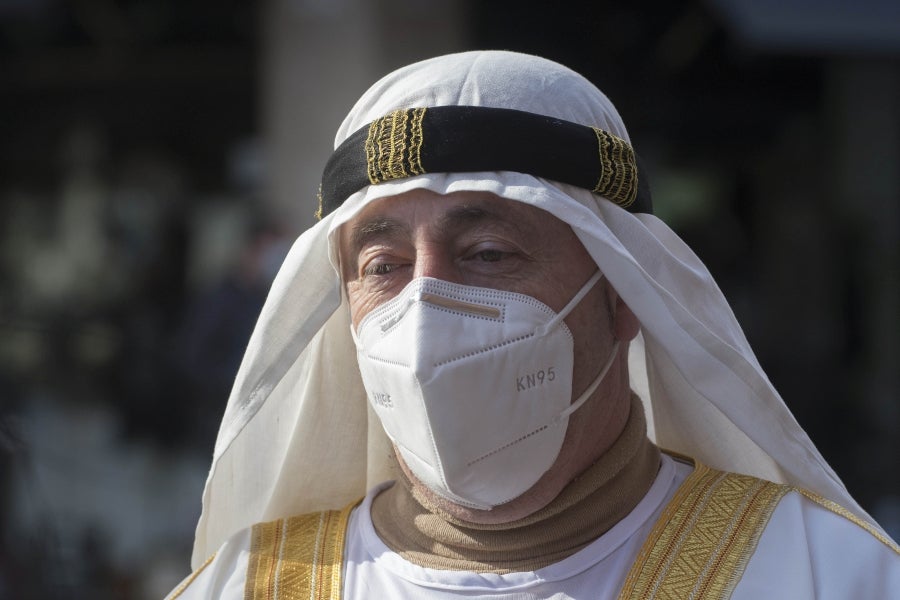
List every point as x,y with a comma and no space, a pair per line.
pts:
863,98
318,58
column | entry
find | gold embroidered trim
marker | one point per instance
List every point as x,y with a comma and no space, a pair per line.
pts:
618,169
840,510
299,557
394,145
184,584
702,542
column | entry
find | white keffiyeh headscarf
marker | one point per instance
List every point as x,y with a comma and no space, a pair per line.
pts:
297,434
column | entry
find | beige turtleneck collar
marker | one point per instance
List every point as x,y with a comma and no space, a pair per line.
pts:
586,508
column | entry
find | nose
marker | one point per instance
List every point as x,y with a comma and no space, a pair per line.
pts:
435,263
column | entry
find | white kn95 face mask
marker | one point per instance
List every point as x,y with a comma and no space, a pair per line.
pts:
472,385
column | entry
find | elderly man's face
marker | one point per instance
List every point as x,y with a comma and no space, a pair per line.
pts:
479,239
469,238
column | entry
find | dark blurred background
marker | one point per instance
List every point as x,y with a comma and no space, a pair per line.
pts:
157,157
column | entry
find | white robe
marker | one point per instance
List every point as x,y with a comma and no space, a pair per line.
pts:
806,551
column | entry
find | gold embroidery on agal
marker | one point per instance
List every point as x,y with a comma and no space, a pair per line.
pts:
393,146
618,169
319,210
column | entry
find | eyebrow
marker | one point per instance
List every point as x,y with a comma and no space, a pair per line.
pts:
380,227
467,216
451,222
376,228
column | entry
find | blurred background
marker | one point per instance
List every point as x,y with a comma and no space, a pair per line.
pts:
157,158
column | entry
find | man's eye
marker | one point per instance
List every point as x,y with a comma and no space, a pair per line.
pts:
380,269
489,255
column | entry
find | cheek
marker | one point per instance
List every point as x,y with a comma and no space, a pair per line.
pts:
591,327
362,300
359,307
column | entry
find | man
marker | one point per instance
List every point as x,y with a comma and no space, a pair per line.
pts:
487,287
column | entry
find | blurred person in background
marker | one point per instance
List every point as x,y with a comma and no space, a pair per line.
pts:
533,384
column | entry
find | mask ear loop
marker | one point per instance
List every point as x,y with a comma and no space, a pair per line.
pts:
587,287
591,388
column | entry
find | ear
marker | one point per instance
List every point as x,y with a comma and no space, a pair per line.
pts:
625,324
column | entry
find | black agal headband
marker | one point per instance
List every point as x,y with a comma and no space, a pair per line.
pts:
458,139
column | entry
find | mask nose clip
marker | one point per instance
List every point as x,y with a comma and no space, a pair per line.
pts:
460,306
478,310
